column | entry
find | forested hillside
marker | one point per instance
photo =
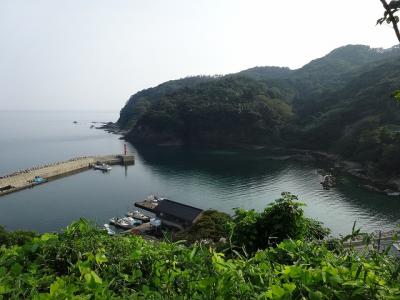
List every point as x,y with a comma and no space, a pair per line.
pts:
340,103
139,103
231,110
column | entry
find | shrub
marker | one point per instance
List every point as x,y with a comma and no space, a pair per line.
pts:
98,266
18,237
282,219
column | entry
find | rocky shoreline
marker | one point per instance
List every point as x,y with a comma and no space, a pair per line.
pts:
111,127
384,185
389,185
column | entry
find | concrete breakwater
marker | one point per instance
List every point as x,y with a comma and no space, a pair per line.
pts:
26,178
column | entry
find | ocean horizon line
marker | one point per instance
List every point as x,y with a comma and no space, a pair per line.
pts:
59,110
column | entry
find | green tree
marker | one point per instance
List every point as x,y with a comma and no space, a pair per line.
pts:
282,219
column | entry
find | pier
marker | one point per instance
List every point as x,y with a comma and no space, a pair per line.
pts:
26,178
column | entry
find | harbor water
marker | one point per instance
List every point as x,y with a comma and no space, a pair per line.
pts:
217,179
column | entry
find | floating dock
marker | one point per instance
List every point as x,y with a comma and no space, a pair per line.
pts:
26,178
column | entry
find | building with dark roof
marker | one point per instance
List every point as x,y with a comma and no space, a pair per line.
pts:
177,214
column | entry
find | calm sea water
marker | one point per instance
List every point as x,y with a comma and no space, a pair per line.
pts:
204,178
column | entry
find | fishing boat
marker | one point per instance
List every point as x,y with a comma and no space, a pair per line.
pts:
101,166
119,222
154,199
133,221
138,215
125,223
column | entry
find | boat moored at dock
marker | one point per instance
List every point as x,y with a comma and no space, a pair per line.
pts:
101,166
138,215
125,223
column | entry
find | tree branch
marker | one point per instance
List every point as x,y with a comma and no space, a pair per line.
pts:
391,18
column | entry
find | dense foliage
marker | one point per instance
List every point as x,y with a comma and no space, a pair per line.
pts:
15,237
138,104
341,103
231,110
85,263
362,121
282,219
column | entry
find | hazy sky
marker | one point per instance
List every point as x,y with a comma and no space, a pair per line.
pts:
92,55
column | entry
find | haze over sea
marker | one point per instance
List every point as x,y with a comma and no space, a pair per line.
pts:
217,179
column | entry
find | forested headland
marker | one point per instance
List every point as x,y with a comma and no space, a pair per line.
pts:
341,103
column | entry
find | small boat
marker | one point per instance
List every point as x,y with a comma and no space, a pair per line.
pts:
132,221
125,223
39,180
154,199
118,222
138,215
108,229
101,166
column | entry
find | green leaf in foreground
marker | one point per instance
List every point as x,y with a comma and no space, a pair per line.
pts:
85,263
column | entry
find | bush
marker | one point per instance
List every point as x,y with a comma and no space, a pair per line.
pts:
86,263
283,219
15,237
